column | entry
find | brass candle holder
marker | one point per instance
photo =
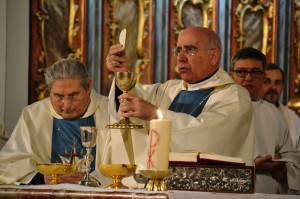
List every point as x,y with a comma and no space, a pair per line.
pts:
156,179
125,82
117,172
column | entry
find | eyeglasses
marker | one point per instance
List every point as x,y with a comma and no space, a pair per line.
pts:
70,98
253,73
189,50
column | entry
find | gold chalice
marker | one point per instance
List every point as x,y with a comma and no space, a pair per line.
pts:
125,82
117,172
56,170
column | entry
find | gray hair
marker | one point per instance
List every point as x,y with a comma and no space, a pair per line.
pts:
67,69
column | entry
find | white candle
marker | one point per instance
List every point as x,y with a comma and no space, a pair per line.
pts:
159,144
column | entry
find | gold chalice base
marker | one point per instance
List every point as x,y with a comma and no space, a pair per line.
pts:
56,170
124,126
156,179
117,172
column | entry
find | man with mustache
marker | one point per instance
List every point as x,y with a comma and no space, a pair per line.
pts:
271,90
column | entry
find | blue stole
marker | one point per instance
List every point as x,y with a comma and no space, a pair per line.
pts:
191,102
66,135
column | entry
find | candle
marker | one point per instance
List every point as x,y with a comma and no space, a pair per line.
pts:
159,144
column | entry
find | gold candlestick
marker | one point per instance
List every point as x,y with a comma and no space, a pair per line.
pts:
156,179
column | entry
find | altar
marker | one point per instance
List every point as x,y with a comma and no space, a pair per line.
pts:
83,192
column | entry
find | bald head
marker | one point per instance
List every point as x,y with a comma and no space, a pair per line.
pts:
206,36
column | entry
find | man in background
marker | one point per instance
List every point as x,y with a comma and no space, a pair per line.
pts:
272,139
271,90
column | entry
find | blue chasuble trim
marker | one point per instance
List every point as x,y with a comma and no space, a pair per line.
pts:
66,135
191,102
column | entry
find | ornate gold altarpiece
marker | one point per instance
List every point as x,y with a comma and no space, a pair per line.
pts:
294,80
57,30
254,24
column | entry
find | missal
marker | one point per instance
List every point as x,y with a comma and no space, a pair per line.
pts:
204,159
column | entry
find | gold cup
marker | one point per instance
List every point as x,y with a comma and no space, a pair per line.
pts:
125,82
56,170
117,172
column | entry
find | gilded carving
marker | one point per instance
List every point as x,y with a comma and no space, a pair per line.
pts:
192,13
254,19
134,16
58,34
41,16
74,28
295,103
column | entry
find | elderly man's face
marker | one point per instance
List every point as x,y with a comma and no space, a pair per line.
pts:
69,99
194,60
272,86
253,77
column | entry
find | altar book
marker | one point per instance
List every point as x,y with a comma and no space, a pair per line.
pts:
204,159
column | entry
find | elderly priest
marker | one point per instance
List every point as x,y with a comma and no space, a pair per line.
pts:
48,130
208,110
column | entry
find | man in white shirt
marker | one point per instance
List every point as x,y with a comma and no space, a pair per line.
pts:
271,90
272,139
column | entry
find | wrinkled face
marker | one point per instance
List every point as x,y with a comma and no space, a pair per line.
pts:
69,99
272,86
194,60
253,76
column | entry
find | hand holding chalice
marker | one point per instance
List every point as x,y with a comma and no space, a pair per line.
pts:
125,82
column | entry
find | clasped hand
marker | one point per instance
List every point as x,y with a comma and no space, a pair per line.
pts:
266,165
134,106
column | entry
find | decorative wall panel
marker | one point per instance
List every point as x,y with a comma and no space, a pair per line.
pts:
187,13
254,24
57,31
294,80
136,16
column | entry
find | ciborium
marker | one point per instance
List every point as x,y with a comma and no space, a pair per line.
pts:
56,170
117,172
156,180
88,140
125,82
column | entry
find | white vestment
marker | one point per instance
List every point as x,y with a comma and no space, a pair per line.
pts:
272,138
224,126
293,122
31,141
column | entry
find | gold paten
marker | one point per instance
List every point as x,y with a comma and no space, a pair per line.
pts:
56,170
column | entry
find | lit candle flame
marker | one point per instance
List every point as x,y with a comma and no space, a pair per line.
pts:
159,115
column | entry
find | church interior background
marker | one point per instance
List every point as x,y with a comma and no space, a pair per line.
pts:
84,29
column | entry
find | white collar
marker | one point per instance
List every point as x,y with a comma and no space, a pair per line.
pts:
199,85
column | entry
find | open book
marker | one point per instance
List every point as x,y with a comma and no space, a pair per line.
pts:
204,159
